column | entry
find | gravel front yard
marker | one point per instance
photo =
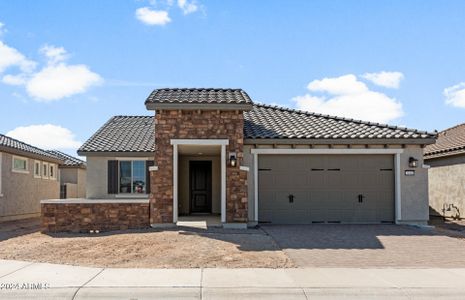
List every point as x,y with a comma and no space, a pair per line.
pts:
149,249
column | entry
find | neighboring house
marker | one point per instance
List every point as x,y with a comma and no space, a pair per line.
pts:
72,175
213,151
27,175
446,159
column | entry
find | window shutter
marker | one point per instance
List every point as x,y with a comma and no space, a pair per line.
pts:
112,177
148,164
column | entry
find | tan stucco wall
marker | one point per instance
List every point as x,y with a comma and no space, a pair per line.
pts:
97,176
22,192
447,185
183,199
76,176
71,190
81,188
68,175
414,189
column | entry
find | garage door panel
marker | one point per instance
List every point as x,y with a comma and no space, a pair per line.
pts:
334,179
316,179
267,199
266,180
326,188
316,215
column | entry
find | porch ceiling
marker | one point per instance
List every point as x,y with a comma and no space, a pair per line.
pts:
199,150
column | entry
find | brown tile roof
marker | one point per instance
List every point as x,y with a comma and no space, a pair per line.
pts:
450,142
123,134
136,133
8,143
68,160
273,122
199,96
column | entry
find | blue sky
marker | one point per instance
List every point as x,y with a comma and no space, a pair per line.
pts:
67,66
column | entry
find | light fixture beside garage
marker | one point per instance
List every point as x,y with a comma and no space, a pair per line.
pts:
412,162
232,159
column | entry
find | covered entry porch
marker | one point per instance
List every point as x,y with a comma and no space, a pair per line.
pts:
199,181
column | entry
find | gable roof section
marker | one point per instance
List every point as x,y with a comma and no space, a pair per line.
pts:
171,98
123,134
450,142
68,160
272,122
14,146
263,122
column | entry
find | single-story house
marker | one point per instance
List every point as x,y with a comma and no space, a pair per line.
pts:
72,175
215,151
27,175
446,174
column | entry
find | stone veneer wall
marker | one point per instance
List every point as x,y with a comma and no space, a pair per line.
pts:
209,124
82,217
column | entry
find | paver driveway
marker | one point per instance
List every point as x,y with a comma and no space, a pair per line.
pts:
366,246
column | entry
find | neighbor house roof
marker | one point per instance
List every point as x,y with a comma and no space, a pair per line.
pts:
68,160
450,142
273,122
14,146
170,98
263,122
123,134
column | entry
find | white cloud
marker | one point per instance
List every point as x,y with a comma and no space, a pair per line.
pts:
347,84
385,79
187,7
55,81
455,95
61,81
10,57
46,136
346,96
152,17
54,54
19,79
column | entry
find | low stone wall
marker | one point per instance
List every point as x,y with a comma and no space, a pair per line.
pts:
81,216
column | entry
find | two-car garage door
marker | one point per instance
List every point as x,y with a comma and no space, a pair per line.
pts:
304,189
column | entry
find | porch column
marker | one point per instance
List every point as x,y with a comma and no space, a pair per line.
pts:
223,183
175,183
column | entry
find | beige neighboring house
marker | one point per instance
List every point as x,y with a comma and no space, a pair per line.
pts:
446,159
27,175
72,175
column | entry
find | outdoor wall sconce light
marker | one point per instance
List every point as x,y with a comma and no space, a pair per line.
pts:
412,162
232,159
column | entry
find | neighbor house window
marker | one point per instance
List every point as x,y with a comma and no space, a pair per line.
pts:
45,170
37,169
20,164
132,177
53,171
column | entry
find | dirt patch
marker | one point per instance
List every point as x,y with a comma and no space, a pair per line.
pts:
150,249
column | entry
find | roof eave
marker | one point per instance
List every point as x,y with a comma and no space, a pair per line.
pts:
28,154
305,141
202,106
117,153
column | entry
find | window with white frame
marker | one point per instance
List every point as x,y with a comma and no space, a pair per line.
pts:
20,164
37,169
132,177
53,171
45,170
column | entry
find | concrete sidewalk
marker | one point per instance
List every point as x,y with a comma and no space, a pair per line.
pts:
25,280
